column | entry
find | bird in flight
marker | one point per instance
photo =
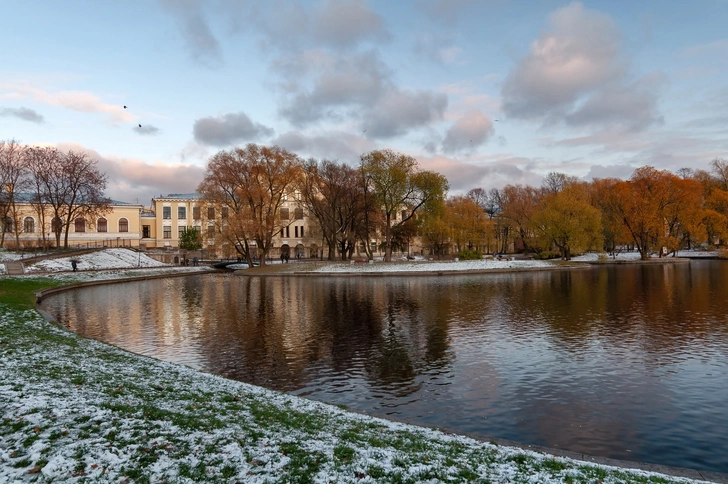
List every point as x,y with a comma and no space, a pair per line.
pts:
124,107
140,125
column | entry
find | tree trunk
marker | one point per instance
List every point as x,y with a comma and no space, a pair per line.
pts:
388,240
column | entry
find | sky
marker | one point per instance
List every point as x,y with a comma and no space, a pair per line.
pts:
486,92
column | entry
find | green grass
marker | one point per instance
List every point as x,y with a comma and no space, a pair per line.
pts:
108,415
19,293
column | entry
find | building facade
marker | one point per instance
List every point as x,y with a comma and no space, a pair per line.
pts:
159,227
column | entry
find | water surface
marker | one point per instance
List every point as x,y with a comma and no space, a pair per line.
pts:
628,362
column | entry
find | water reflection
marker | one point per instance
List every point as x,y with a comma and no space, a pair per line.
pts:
629,362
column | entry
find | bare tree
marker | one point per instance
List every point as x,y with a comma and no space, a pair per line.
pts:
13,182
69,185
334,196
253,182
720,168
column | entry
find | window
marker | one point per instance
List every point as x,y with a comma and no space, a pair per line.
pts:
224,212
295,230
298,214
167,213
28,225
56,225
288,231
181,213
79,225
102,225
210,213
285,214
180,231
9,225
167,232
210,231
196,213
301,231
146,233
123,225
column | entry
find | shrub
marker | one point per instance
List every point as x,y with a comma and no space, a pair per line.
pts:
468,254
547,254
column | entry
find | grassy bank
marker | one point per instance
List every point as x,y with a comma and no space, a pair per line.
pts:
78,410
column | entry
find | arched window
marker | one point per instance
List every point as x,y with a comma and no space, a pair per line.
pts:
79,225
8,226
123,225
28,225
102,225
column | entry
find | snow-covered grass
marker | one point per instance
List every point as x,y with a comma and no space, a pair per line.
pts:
6,255
634,255
594,256
76,410
104,259
431,266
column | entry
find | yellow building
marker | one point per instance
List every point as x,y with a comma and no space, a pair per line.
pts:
169,215
119,227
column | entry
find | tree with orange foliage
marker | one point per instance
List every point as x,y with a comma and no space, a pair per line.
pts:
655,207
518,205
684,214
253,183
470,225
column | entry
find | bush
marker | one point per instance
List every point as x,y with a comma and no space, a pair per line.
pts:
468,254
547,254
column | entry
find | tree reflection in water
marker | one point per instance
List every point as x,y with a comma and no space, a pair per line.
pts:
624,361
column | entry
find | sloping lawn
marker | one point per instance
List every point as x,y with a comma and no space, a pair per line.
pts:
77,410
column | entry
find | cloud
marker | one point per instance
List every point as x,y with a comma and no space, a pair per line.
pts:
146,129
710,50
630,107
338,82
335,24
399,111
228,129
622,171
355,87
578,54
471,130
439,49
346,23
576,72
201,44
335,145
22,113
495,172
133,180
445,11
82,101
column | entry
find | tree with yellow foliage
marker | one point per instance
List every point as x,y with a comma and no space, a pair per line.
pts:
568,220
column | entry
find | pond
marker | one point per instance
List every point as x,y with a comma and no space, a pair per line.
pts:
628,362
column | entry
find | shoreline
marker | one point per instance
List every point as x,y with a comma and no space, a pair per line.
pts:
679,472
360,269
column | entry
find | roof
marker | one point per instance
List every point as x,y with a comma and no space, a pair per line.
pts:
26,197
179,196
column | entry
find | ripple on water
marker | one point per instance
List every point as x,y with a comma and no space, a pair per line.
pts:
627,362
